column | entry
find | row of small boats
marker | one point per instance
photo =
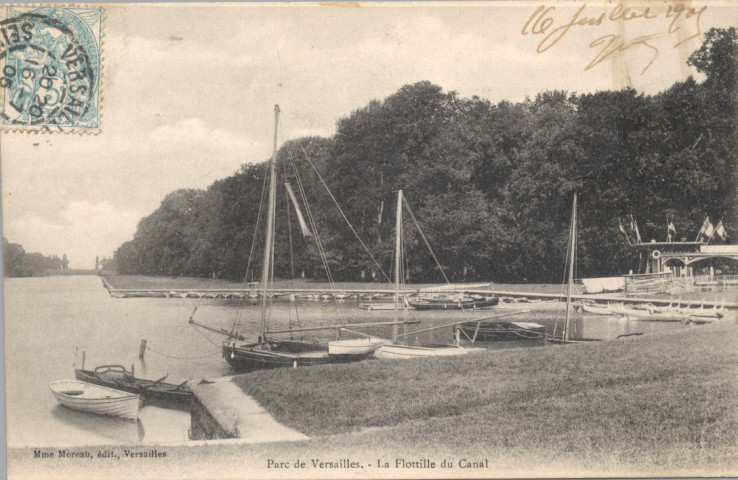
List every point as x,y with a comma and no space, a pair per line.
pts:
418,302
650,312
288,353
112,390
243,294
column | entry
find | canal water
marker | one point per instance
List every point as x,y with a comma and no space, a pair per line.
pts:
50,321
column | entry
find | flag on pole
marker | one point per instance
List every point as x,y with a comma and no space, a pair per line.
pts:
720,231
670,230
634,227
709,230
703,229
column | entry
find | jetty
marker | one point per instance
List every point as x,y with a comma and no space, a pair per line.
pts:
223,410
376,293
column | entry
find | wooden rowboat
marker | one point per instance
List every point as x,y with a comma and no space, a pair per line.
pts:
154,391
86,397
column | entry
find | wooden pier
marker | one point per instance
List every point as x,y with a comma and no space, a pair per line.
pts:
375,293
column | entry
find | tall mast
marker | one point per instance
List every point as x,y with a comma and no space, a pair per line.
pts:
398,259
267,265
572,249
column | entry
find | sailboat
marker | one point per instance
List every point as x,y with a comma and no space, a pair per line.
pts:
268,352
566,335
400,350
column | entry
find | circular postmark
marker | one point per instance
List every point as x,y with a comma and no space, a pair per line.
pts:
49,74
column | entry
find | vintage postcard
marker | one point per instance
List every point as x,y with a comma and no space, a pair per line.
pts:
370,240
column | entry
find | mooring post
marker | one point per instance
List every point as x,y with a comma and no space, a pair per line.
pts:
142,348
83,359
133,370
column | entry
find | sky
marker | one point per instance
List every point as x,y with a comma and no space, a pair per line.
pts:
188,91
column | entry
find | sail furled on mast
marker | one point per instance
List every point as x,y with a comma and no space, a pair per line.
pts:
303,226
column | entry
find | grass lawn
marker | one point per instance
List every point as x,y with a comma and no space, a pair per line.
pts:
652,405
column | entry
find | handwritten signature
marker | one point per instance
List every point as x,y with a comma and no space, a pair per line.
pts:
543,23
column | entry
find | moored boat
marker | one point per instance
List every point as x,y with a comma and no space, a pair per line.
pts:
117,377
273,354
454,303
491,331
395,349
350,349
566,337
90,398
404,305
596,309
415,351
531,304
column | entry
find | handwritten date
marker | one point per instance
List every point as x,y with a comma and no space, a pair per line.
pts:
543,23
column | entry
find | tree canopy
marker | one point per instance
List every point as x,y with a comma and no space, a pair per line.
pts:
491,185
19,263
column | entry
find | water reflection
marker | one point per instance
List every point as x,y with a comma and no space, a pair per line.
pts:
111,429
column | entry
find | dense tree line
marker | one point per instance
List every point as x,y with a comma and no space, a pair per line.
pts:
491,185
19,263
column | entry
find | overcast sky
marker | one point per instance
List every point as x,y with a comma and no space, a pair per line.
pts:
188,94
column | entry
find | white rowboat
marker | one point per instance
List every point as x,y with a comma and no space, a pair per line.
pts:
86,397
596,309
354,346
412,351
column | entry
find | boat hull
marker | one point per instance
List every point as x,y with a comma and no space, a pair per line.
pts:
155,392
411,351
382,306
90,398
596,310
560,341
353,349
274,354
495,331
454,305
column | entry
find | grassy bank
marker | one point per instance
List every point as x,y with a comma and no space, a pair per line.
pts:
661,404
